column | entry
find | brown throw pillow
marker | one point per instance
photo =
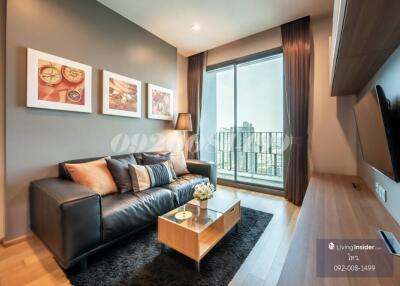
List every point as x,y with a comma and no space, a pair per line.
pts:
179,163
94,175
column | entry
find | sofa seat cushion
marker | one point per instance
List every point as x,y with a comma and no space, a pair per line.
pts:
183,187
122,213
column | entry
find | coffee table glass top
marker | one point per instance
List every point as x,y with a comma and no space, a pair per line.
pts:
195,218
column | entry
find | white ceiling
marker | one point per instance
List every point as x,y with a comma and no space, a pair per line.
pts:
221,21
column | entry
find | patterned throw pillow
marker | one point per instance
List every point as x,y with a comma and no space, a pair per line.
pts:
151,159
149,176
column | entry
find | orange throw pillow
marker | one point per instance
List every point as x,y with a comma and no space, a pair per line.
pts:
94,175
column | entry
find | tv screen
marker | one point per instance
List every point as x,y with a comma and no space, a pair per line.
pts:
376,133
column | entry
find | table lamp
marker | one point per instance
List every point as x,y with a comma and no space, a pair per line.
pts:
184,122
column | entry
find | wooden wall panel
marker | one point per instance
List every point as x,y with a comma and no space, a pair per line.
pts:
370,34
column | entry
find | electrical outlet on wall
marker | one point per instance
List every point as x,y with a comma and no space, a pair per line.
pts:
381,192
377,190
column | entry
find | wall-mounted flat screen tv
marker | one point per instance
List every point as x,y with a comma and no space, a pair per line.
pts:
378,134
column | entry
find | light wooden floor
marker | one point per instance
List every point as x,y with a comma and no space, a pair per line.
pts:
30,263
264,264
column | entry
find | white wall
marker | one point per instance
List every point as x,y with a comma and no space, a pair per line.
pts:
182,99
388,78
259,42
181,104
332,129
2,97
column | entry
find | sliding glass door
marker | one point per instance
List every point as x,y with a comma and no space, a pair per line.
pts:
260,121
249,120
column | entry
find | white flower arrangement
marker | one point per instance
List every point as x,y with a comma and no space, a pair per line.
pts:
203,191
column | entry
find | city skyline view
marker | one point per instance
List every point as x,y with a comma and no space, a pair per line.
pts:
259,95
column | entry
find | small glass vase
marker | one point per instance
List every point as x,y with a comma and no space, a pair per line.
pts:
203,204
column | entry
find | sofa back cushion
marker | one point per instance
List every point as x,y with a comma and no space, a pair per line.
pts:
120,171
149,176
94,175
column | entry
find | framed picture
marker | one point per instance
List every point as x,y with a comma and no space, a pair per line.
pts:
58,83
121,95
160,102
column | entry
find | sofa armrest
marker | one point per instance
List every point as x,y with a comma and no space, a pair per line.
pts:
207,169
66,216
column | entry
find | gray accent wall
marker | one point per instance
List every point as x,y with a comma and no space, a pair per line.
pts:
37,139
388,77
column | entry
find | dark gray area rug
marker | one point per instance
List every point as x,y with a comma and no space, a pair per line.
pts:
139,261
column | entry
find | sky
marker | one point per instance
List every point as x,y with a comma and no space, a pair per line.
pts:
260,95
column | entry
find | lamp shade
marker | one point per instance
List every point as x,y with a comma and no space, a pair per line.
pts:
184,122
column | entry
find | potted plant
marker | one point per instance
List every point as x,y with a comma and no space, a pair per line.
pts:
203,192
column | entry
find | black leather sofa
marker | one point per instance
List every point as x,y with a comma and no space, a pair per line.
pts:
74,221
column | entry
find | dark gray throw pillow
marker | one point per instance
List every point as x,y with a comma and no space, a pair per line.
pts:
151,159
119,169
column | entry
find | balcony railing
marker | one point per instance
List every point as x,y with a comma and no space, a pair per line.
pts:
258,153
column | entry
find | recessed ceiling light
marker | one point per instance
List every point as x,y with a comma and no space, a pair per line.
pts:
196,27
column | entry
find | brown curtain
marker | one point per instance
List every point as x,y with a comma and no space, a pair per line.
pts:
296,57
196,66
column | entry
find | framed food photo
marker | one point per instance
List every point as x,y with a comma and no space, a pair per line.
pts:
122,95
58,83
160,102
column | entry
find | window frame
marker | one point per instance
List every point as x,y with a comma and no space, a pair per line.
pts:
234,63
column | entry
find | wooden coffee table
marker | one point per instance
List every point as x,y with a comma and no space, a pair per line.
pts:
197,235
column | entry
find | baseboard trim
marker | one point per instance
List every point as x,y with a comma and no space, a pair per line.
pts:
253,188
9,242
